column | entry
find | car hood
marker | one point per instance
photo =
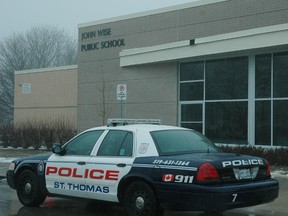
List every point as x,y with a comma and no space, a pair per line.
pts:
37,157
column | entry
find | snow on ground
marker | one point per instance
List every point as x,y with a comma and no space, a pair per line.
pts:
280,173
6,160
3,180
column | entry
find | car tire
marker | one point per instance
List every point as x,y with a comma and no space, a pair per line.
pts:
28,190
140,200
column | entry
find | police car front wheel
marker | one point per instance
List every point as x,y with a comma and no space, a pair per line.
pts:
140,200
28,190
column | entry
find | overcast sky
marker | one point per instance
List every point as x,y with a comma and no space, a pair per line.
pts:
21,15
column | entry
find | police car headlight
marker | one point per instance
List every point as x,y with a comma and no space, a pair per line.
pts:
11,166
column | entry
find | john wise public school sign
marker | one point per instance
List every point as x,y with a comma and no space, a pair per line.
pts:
102,44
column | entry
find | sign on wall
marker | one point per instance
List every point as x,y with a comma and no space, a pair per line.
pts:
100,43
26,88
121,92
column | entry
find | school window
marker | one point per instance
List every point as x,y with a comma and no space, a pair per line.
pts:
215,99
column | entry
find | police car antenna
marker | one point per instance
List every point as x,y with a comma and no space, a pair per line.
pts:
120,121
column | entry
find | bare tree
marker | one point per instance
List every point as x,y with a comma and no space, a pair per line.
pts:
49,47
103,98
13,57
40,47
103,108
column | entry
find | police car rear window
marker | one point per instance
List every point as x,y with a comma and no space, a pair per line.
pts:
172,142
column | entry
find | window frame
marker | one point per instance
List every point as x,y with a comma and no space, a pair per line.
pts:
121,156
253,94
75,139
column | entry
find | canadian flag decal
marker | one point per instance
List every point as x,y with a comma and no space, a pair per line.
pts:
168,177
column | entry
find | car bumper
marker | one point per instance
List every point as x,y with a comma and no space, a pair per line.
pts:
217,198
10,175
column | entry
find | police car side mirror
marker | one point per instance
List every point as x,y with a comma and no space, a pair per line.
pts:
57,149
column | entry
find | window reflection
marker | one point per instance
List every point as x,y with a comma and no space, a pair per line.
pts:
191,116
220,86
280,75
280,119
192,71
227,79
263,76
191,112
227,122
191,91
263,123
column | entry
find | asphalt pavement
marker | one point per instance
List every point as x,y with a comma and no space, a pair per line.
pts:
3,170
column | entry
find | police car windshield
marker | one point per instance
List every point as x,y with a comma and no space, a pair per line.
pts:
172,142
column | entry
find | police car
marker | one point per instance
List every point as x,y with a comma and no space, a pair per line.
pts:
145,167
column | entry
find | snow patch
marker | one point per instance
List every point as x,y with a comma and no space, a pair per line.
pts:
3,180
6,160
280,174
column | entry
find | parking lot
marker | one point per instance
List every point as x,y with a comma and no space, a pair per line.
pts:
9,204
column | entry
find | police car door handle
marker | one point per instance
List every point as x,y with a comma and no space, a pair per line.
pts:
121,165
81,163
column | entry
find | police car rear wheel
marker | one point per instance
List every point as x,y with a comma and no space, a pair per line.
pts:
140,200
28,191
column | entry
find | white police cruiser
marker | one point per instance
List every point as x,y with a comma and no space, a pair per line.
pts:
145,167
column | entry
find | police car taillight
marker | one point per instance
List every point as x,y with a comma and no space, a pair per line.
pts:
207,173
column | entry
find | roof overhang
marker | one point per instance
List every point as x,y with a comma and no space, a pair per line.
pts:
270,36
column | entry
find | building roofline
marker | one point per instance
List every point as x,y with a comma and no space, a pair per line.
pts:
150,12
41,70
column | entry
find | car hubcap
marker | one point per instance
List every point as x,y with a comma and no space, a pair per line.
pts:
27,188
139,203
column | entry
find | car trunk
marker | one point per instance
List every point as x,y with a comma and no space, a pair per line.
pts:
234,168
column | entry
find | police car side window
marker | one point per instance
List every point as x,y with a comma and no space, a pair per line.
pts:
117,143
127,146
83,144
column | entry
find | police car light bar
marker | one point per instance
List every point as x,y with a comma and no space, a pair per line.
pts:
120,121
